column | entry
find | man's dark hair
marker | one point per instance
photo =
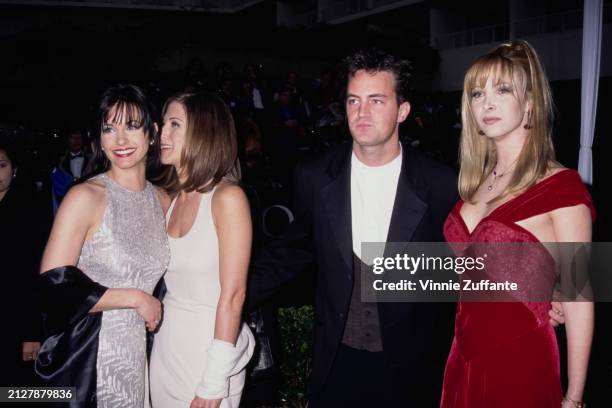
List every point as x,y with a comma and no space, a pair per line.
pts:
373,60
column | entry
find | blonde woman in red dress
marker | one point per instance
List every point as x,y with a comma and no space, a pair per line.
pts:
513,190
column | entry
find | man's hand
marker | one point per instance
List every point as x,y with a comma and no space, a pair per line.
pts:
556,314
204,403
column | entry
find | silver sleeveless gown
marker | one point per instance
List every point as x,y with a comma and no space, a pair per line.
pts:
129,250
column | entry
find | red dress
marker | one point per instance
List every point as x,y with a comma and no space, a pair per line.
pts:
506,354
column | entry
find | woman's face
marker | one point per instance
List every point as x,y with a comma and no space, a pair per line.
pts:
124,141
173,134
496,108
6,172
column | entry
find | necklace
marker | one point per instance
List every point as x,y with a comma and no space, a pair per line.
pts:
497,175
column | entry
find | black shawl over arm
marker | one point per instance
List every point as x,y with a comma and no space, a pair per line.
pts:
67,358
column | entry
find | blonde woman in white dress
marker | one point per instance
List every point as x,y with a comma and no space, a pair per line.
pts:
202,347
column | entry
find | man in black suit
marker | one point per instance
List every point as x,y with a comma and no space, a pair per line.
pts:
366,354
70,167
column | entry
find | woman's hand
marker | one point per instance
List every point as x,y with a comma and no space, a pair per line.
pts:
29,350
204,403
556,314
149,308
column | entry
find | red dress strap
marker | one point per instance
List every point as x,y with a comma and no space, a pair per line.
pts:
562,189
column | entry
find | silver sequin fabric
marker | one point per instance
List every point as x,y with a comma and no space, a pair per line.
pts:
129,250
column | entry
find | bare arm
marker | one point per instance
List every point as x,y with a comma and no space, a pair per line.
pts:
233,222
79,216
232,218
573,224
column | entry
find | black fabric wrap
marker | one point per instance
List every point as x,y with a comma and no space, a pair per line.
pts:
67,358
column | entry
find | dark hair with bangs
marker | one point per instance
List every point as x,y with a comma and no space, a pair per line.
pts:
210,152
373,60
116,102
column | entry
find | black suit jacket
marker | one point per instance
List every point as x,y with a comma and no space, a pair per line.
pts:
64,163
321,234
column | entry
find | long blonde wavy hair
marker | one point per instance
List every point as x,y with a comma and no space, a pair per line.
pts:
517,62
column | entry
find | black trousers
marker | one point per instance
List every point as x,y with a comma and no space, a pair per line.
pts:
358,378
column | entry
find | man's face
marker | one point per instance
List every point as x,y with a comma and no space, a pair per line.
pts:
372,110
75,142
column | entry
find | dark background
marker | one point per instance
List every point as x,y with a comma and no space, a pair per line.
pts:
55,61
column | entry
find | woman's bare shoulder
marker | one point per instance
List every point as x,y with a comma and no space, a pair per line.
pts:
85,200
227,192
89,191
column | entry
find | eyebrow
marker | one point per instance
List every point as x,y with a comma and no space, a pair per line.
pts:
174,118
375,95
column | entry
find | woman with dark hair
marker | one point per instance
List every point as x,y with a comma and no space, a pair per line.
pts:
106,252
505,354
203,346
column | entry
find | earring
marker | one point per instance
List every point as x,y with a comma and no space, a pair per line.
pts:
528,124
480,132
151,142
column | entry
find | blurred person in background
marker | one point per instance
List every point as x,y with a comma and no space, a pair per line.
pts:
70,167
21,241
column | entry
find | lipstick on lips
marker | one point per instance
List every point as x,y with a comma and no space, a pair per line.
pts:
491,120
123,153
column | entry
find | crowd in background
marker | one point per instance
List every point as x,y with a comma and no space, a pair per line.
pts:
279,120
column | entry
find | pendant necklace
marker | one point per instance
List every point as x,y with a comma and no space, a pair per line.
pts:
497,175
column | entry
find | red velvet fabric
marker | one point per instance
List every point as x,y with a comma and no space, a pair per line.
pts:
505,354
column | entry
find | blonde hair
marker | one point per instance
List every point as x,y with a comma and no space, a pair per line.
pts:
518,61
210,153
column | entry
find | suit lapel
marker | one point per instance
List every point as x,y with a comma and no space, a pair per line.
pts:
65,164
409,207
337,198
408,211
